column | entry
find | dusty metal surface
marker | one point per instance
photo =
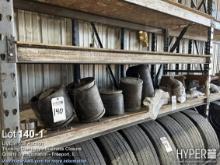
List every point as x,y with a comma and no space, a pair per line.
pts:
9,102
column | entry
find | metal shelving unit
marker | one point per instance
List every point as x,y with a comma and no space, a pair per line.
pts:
132,14
10,116
79,132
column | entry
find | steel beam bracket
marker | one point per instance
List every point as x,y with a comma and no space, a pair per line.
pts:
11,47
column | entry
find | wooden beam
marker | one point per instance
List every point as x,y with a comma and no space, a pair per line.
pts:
175,9
144,15
75,14
214,97
40,53
81,132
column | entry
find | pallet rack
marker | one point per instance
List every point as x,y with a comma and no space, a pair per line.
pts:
80,132
131,14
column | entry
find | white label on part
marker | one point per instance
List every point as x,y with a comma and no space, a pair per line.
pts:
173,101
58,108
166,144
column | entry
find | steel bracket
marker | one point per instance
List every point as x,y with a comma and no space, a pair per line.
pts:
11,49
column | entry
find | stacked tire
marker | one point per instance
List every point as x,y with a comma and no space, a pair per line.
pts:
214,116
154,142
207,132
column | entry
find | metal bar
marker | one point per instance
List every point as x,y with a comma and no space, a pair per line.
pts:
170,39
193,5
209,7
122,69
166,47
200,5
75,42
175,45
197,51
189,52
9,98
113,77
209,50
206,67
101,46
97,35
204,5
177,65
158,74
153,48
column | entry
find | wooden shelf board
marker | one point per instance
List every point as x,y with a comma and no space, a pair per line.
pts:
190,9
214,97
40,53
80,132
120,9
157,13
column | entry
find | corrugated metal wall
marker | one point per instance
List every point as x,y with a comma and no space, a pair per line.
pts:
110,38
41,28
216,9
201,49
183,48
215,66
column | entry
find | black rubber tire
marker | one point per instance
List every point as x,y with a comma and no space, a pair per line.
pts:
207,132
178,135
190,129
89,153
214,116
155,132
116,150
140,145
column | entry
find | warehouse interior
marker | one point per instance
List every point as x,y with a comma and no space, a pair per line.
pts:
121,82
